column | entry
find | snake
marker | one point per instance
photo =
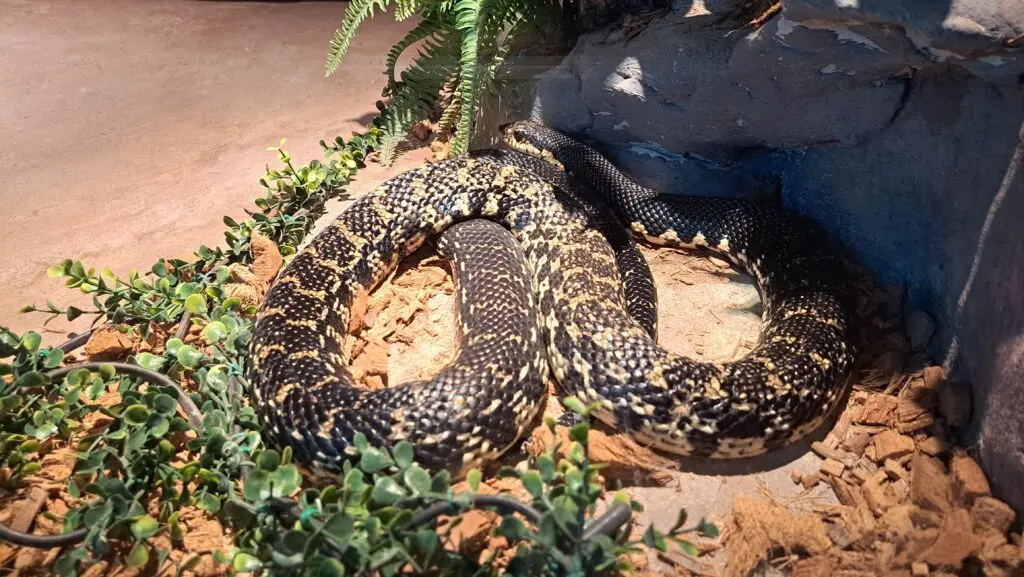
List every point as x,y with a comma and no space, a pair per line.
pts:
586,335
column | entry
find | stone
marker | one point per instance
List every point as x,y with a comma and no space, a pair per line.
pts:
929,483
993,513
956,28
899,128
920,327
968,480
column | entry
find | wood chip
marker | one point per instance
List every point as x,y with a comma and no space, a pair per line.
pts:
912,416
28,510
932,377
918,569
845,492
856,442
969,480
860,474
893,469
929,483
924,518
891,445
828,452
992,513
874,496
810,481
832,467
877,410
932,446
956,541
900,490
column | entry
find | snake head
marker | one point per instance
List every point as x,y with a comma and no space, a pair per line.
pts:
534,138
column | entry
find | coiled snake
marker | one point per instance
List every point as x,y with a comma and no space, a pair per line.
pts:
478,406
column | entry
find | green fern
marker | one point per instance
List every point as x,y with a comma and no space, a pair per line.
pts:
434,23
416,93
355,14
467,21
464,45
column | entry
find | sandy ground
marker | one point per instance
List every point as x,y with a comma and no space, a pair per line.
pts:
129,128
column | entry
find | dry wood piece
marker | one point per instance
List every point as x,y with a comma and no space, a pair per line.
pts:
810,481
860,474
847,493
955,542
992,513
892,445
900,490
912,416
874,496
898,520
929,483
969,480
918,569
28,510
893,469
924,518
829,452
760,526
933,446
856,442
877,410
933,377
832,467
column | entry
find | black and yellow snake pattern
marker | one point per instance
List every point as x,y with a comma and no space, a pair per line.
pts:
583,331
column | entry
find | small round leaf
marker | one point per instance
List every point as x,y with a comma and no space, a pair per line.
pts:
144,527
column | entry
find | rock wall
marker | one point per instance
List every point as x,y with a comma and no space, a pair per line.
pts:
895,124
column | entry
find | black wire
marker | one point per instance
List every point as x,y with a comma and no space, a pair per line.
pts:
195,419
607,524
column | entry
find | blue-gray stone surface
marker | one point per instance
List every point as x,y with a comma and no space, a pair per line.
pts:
893,124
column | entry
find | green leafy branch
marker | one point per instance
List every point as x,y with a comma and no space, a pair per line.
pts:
464,43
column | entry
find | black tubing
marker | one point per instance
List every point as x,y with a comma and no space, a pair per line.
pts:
42,541
607,524
504,505
195,417
195,420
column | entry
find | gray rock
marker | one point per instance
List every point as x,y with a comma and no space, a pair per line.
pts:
907,159
685,87
960,27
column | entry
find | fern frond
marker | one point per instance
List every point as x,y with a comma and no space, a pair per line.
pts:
355,14
418,90
406,8
450,115
434,23
467,21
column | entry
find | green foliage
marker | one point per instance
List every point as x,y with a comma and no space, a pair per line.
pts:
136,471
464,44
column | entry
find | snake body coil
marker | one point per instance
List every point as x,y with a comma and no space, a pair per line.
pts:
775,395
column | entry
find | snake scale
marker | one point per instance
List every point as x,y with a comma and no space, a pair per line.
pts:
585,331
